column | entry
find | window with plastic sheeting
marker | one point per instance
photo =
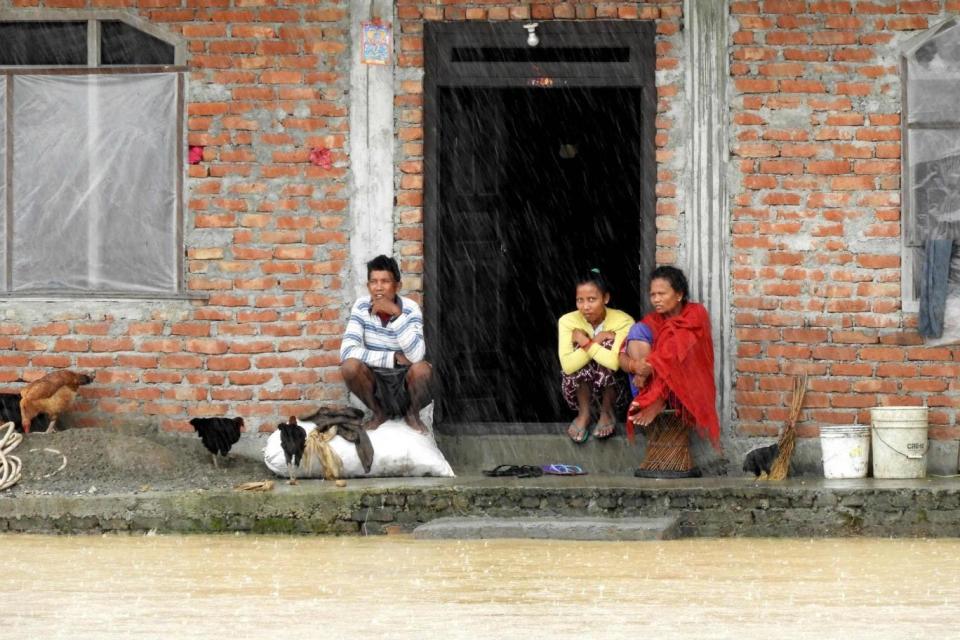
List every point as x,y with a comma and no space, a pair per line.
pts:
94,183
931,161
90,159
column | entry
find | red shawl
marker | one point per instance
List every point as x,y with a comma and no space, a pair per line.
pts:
682,362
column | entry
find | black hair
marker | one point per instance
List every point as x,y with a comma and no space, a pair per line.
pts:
678,281
594,277
383,263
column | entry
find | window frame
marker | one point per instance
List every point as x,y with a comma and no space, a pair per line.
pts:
93,20
7,74
909,294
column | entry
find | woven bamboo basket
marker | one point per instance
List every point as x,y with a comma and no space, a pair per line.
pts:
668,449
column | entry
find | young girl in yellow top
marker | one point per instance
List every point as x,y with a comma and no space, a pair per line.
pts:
589,348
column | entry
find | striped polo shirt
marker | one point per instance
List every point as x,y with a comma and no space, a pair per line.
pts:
367,339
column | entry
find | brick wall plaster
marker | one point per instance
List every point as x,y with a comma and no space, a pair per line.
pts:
371,151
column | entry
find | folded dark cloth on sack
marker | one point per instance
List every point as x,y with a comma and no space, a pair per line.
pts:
347,420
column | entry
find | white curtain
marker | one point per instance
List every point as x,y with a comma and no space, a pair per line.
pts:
94,183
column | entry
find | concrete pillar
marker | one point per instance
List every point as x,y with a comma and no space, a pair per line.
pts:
707,215
371,151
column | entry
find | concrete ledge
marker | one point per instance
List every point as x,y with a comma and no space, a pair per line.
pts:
704,507
553,528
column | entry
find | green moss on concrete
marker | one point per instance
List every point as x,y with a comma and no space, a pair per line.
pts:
710,507
275,525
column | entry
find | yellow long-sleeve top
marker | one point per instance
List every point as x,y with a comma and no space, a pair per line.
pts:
573,358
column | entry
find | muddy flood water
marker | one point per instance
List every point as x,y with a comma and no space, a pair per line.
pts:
398,587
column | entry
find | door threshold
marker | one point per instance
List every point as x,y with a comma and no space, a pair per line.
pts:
501,428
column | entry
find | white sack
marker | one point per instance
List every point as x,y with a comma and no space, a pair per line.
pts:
398,451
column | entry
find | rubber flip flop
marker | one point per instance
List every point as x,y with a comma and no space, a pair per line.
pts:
530,471
513,470
582,439
501,470
563,470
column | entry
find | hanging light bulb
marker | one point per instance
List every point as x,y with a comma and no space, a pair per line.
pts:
532,39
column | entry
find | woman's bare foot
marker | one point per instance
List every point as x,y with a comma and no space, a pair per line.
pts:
646,415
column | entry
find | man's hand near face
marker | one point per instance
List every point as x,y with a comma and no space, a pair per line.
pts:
385,305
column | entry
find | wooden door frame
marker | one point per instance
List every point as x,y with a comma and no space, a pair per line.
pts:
637,70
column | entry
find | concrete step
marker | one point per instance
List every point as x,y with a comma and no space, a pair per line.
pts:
614,455
553,528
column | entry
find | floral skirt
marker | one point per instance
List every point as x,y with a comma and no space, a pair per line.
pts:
598,378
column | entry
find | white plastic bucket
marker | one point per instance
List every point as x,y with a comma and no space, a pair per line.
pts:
899,442
846,450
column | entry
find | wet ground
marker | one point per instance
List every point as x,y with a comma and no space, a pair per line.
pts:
100,461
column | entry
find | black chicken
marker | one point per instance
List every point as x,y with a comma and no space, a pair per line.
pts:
761,460
218,434
293,439
10,412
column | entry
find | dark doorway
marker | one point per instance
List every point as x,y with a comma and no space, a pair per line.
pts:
533,183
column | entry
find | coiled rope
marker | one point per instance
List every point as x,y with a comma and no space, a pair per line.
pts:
9,464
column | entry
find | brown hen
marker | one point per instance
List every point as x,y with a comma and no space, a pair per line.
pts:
51,395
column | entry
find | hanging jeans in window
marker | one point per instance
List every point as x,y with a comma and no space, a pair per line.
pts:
933,287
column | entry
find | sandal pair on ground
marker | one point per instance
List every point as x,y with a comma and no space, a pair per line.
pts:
601,431
515,470
529,471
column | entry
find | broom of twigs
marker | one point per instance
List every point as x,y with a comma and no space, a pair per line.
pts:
781,466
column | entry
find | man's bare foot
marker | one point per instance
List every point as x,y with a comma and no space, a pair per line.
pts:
374,422
416,424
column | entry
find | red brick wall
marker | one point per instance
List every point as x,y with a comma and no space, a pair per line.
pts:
816,215
265,232
816,277
266,84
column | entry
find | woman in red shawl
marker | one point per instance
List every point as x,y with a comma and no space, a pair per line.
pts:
677,369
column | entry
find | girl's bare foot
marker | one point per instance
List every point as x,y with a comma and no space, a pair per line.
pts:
578,428
605,426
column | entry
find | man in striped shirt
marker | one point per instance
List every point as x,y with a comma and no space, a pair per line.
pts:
382,351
